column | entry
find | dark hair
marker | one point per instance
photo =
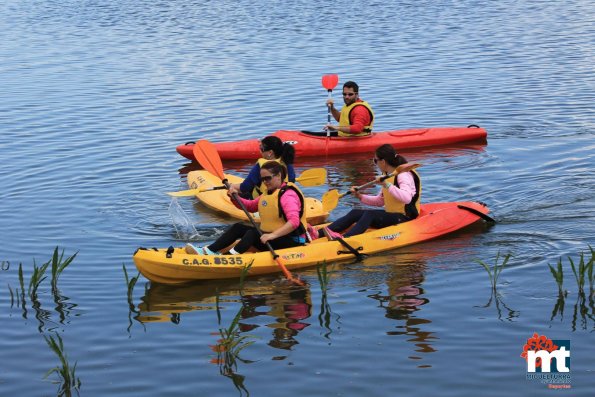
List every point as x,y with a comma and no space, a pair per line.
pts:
351,84
285,151
275,168
388,153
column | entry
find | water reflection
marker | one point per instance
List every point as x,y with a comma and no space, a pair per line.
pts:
583,310
290,307
45,322
404,298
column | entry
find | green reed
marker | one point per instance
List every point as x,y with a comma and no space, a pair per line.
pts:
243,276
22,284
558,274
66,373
583,271
37,278
494,272
58,265
130,283
231,342
323,276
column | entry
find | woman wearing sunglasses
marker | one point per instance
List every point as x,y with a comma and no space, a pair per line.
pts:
271,148
400,196
282,218
356,118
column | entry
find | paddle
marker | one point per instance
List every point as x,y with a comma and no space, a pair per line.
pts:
207,156
311,177
330,199
355,252
329,81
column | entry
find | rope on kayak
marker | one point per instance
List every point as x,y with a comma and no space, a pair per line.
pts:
473,126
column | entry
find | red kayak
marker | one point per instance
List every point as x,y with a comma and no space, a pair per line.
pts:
308,144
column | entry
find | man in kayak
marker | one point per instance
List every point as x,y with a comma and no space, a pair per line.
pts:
282,217
356,118
271,148
400,196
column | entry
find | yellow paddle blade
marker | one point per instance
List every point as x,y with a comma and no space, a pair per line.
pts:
330,200
312,177
191,192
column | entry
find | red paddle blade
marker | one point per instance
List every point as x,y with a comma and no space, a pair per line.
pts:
329,81
207,156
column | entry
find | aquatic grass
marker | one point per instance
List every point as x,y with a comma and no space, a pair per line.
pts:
583,271
494,273
243,276
229,346
583,274
67,374
37,278
130,284
22,284
323,276
591,271
58,266
558,274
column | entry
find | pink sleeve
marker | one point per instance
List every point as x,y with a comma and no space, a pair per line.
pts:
376,201
404,193
290,202
251,205
406,190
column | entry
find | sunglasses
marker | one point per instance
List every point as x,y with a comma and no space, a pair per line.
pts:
263,149
349,93
376,160
267,178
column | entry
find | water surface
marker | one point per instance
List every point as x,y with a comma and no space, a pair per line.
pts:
95,95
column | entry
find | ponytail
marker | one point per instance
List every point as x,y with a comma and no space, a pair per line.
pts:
390,155
288,154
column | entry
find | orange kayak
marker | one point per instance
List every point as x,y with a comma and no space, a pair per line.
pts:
313,144
175,266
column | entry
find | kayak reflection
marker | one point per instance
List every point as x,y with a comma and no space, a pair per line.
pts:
288,307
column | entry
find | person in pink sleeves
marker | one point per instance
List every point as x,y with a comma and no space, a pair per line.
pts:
282,217
400,196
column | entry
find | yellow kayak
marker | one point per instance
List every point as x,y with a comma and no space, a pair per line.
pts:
174,266
219,201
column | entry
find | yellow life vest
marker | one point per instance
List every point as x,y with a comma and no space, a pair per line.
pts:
393,205
271,212
257,191
345,120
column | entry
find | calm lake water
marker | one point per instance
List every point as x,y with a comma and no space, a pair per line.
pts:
95,95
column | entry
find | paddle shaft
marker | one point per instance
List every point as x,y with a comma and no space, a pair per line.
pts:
207,156
397,171
268,244
311,177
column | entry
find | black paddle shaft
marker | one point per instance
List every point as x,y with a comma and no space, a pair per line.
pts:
252,221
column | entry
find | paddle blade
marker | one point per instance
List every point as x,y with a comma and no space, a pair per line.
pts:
406,167
330,200
207,156
194,192
185,193
288,275
329,81
312,177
